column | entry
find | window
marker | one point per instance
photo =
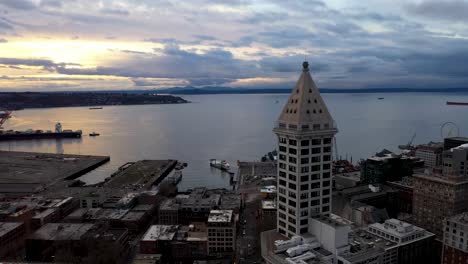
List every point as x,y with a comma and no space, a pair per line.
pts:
292,220
304,213
304,204
282,157
292,186
305,151
326,192
282,140
304,187
292,168
292,194
292,177
326,175
326,183
315,168
315,177
292,151
282,165
314,202
315,150
326,157
314,194
325,200
326,149
315,185
292,142
282,182
304,178
282,174
304,195
304,143
316,142
281,223
325,208
292,229
292,203
282,149
304,221
282,199
326,166
291,211
315,159
327,141
304,169
292,160
304,230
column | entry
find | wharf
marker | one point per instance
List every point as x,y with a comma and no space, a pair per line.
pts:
30,172
141,174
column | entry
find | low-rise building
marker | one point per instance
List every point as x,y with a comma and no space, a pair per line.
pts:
12,236
430,153
221,232
168,213
455,241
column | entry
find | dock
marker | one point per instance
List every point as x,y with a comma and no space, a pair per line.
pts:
29,172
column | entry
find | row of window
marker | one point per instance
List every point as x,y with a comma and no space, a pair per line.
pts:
305,169
293,151
304,204
305,142
304,187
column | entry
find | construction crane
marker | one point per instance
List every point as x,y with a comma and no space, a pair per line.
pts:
4,117
409,145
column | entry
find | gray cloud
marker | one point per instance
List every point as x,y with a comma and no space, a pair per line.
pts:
452,10
51,3
115,11
18,4
2,40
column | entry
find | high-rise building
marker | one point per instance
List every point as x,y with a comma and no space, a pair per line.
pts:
441,193
305,131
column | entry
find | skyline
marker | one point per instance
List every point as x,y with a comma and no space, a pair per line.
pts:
52,45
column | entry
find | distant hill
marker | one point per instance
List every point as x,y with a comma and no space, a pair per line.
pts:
190,90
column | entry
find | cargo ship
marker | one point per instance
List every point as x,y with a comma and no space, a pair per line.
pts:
456,103
39,134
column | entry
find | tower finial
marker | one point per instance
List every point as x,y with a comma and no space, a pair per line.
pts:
305,66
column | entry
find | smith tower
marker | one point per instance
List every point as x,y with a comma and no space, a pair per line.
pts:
305,131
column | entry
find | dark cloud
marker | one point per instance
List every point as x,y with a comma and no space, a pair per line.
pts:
18,4
2,40
5,25
452,10
204,37
115,11
282,37
51,3
264,17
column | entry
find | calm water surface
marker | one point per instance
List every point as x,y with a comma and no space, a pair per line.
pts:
233,127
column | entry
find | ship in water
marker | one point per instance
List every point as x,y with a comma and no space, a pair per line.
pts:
39,134
456,103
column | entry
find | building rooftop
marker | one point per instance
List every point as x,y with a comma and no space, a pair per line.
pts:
6,227
61,231
133,216
45,213
268,205
160,232
398,231
460,218
220,216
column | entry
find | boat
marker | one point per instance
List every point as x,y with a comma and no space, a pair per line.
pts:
95,108
39,134
381,98
220,164
94,134
456,103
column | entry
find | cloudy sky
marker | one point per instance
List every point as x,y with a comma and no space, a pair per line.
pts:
146,44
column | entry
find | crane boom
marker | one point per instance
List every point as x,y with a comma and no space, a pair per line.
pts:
4,117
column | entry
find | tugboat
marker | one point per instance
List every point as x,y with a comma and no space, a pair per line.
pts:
94,134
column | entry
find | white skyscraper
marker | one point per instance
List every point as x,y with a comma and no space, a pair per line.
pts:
305,132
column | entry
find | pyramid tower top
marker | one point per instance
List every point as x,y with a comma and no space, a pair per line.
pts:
305,109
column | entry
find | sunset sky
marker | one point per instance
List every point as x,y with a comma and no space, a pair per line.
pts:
51,45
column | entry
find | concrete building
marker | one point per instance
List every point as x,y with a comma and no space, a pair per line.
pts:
430,153
221,232
441,193
12,236
305,131
455,241
413,244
